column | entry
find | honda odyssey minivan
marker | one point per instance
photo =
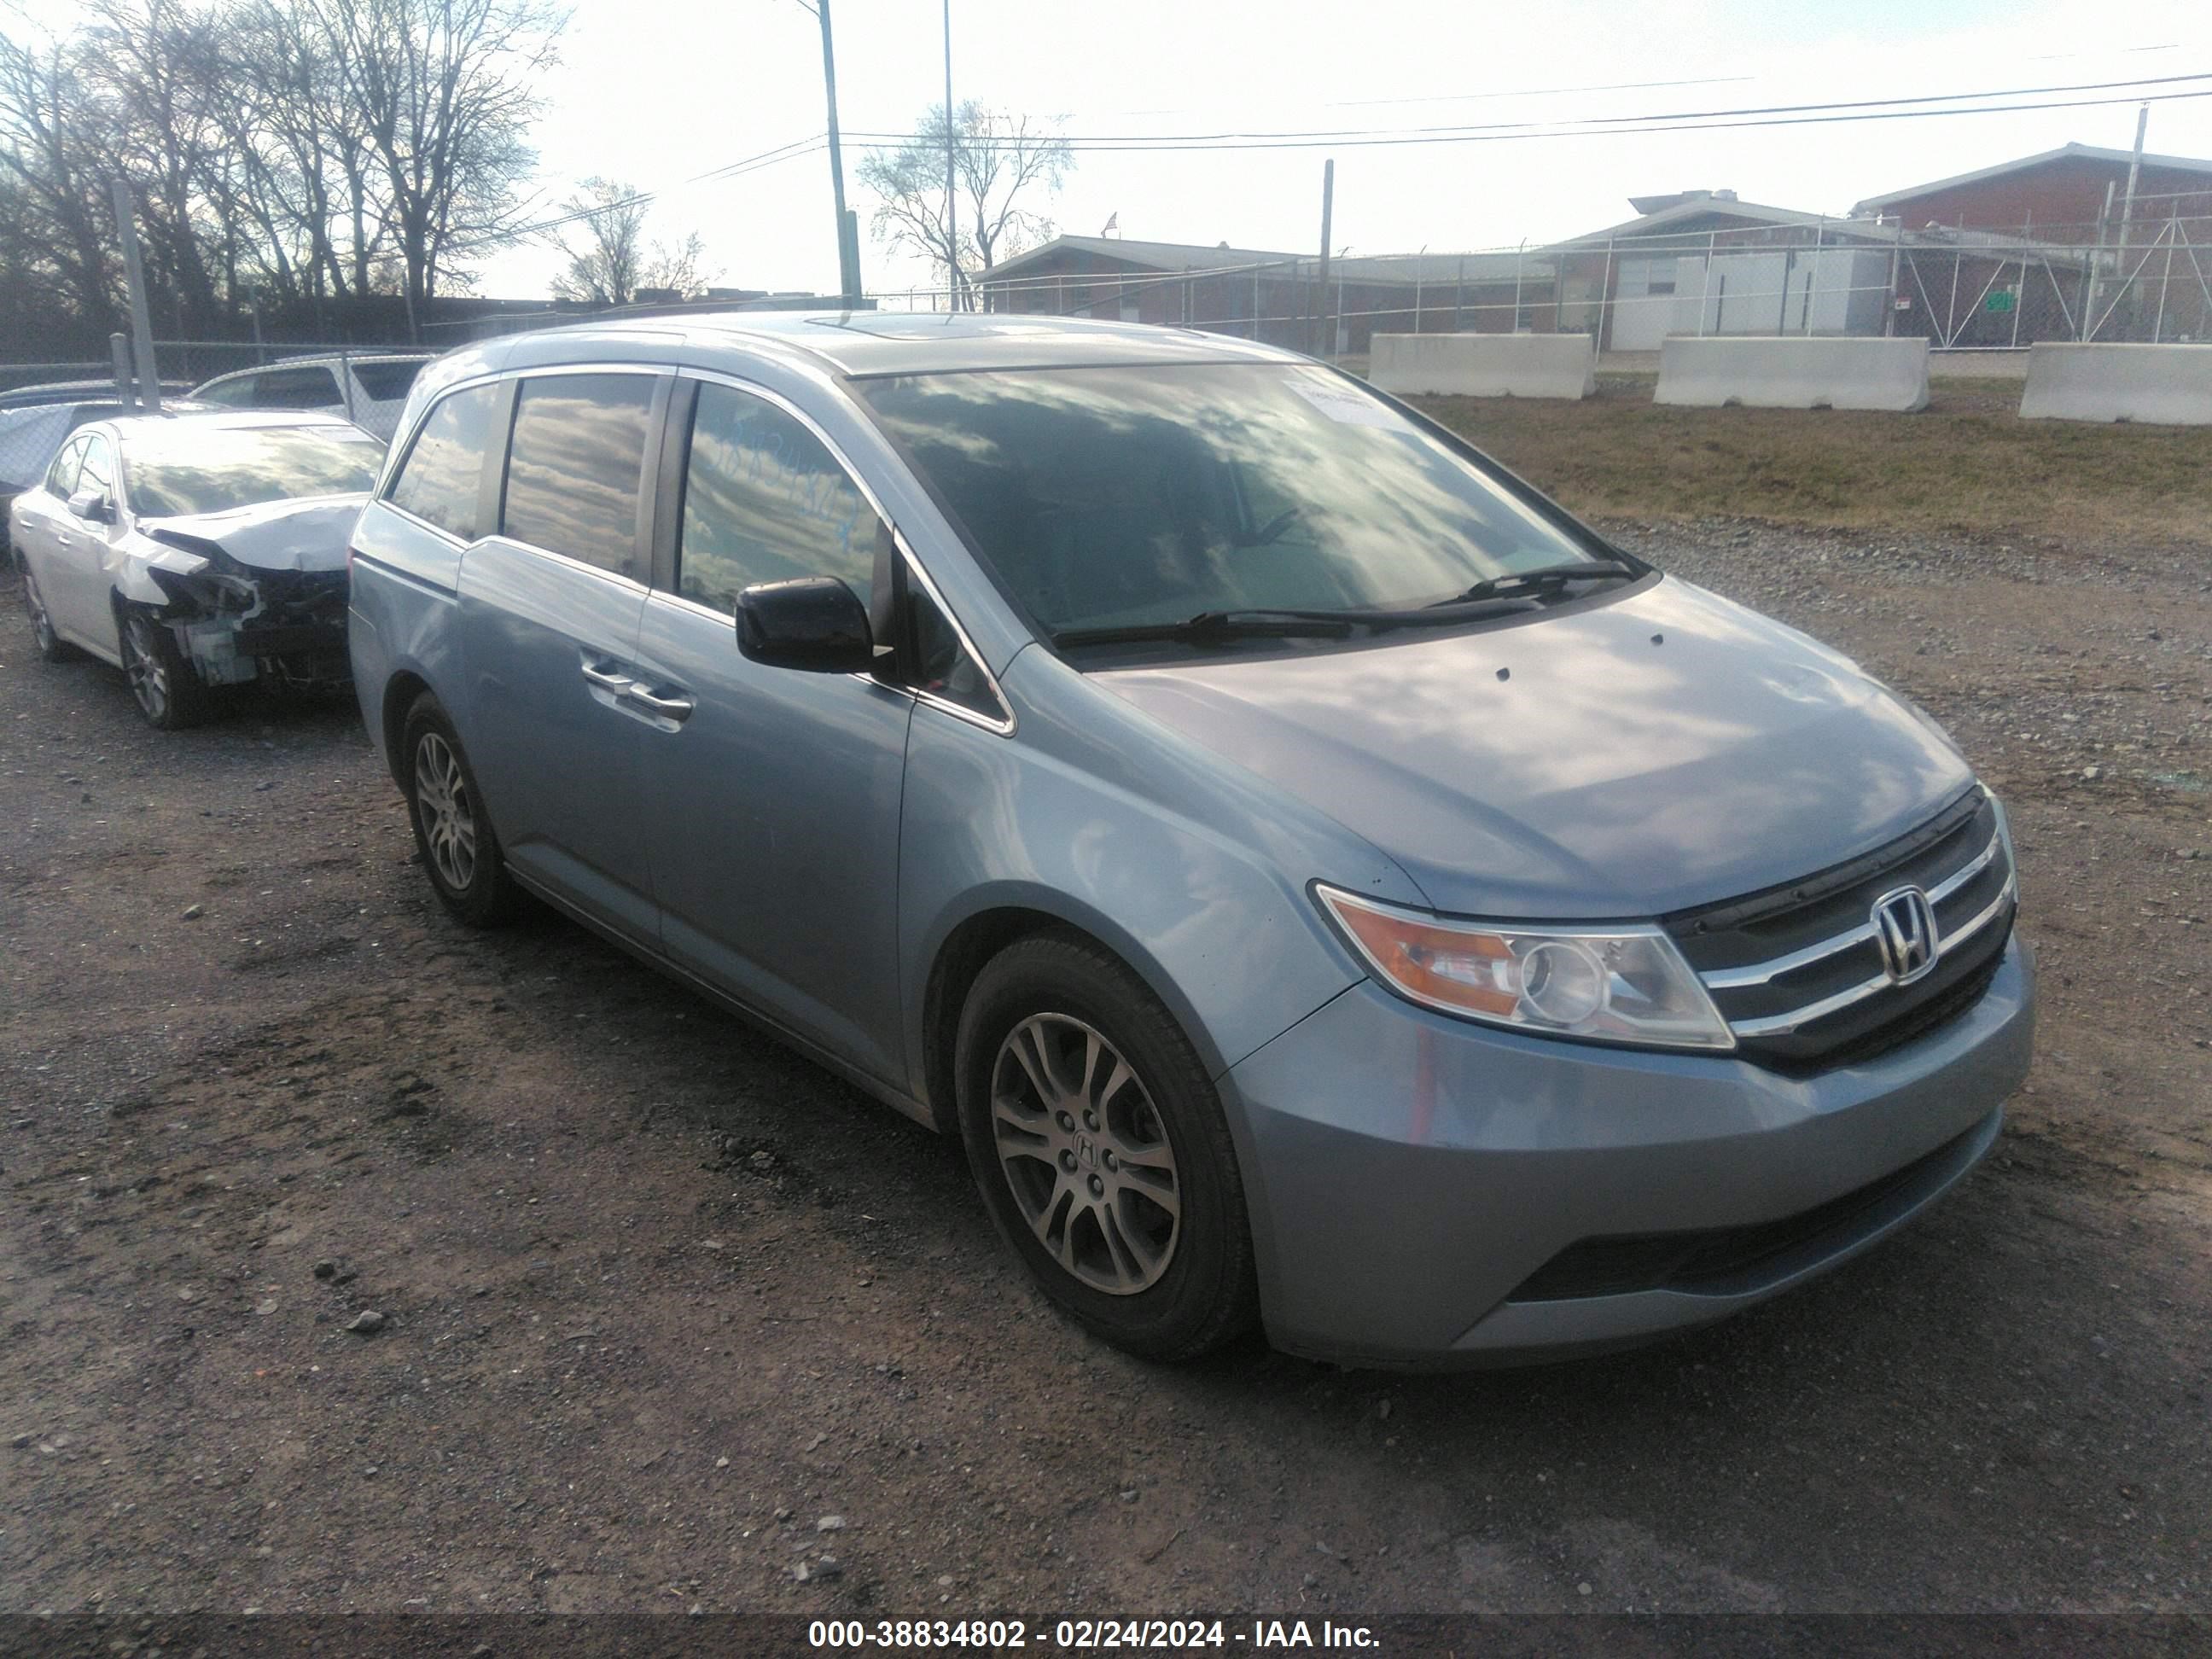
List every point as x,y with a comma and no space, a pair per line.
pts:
1321,881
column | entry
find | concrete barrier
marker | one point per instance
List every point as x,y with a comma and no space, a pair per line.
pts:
1485,365
2164,385
1793,371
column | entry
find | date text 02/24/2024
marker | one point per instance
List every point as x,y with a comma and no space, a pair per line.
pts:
1086,1634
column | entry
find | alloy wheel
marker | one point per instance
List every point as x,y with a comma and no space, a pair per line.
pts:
42,625
1085,1154
148,674
448,818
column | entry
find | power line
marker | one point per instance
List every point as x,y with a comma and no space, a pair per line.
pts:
1537,92
768,158
1667,121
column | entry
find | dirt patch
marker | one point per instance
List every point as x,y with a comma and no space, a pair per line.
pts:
657,1296
1968,463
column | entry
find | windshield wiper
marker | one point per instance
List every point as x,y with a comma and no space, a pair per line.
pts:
1209,625
1223,624
1547,579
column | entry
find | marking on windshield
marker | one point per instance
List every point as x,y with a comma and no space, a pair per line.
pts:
1349,408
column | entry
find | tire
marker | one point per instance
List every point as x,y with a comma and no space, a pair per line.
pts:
1131,1218
167,689
52,647
459,850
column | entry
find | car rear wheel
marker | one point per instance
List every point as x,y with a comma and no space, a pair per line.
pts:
460,853
51,648
170,693
1099,1144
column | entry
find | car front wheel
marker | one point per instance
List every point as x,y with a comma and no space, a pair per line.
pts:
1099,1144
169,691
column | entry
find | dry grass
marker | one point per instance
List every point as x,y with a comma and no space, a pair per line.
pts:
1967,464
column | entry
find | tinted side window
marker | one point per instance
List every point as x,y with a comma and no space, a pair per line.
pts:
60,476
231,394
296,388
577,465
942,666
764,500
385,382
97,470
438,483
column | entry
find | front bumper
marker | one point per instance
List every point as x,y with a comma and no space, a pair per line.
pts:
1408,1173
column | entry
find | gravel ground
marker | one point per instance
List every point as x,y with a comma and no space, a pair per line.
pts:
671,1319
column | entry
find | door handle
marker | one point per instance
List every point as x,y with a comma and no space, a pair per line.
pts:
607,680
669,708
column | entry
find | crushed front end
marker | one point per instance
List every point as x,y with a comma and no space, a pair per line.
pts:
236,622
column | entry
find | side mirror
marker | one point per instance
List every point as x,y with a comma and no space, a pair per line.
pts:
90,504
814,622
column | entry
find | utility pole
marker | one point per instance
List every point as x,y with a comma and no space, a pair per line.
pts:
1327,205
951,197
848,251
142,321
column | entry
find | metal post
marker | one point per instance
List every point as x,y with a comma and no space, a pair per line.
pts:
1256,303
1520,260
848,276
142,321
2020,300
1704,298
345,379
1604,300
1459,296
119,349
1889,300
952,209
1320,297
1813,277
253,305
2166,276
1417,258
2095,280
1951,330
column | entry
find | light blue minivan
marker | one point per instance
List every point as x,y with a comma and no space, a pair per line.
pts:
1322,883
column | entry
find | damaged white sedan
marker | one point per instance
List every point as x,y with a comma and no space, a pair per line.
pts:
200,550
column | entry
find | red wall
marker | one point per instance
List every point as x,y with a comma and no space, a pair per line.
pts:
2062,198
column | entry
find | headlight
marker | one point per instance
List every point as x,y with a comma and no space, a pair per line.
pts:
1625,983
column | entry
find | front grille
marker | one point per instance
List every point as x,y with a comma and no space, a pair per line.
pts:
1798,972
1714,1260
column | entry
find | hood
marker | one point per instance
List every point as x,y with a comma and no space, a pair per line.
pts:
299,535
1665,750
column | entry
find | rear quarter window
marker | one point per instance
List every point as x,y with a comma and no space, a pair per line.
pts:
386,381
295,388
438,481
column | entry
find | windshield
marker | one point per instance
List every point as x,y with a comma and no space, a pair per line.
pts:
1114,497
191,468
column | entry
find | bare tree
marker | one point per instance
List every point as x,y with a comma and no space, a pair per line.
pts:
680,266
307,149
604,244
1003,164
46,150
448,89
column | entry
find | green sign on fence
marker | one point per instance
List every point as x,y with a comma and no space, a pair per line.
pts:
2001,299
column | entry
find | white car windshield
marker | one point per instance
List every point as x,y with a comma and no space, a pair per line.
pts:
1112,496
185,467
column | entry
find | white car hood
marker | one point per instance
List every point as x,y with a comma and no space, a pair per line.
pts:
298,535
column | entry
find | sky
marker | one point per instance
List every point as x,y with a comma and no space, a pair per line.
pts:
654,93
